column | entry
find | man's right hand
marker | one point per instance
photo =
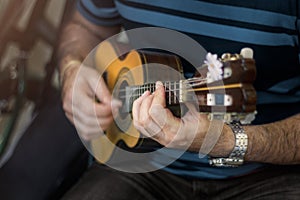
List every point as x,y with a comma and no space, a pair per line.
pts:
81,86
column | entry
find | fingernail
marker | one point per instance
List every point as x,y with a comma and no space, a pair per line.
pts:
158,84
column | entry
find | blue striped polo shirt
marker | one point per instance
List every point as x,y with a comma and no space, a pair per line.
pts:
271,29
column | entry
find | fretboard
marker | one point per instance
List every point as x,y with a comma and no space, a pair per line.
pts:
172,92
175,91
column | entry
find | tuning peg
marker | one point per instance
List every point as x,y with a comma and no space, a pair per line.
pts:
247,52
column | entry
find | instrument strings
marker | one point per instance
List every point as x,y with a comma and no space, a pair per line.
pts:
170,87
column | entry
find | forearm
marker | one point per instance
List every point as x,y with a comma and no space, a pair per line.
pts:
79,37
277,143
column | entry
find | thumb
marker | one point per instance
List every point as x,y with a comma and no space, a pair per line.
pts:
101,91
97,86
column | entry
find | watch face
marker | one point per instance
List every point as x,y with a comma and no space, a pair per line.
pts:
226,162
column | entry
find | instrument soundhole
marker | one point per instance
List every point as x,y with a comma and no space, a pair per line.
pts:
123,112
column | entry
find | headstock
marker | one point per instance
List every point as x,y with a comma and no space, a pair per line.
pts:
230,94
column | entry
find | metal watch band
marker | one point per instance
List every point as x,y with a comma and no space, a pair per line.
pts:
236,157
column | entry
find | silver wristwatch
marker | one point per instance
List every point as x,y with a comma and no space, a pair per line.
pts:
236,157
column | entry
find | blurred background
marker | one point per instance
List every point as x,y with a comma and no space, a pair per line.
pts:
33,164
31,26
29,32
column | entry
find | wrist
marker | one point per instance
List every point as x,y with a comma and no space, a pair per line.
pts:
66,66
225,144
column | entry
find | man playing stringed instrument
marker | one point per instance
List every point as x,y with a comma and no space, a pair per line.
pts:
265,154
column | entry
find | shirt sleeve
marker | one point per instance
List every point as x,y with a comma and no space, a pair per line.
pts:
100,12
298,27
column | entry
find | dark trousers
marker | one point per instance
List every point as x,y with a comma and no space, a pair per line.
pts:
101,182
48,159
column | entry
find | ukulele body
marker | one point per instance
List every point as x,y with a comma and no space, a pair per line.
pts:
135,68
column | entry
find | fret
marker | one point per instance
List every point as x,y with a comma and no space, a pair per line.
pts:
178,92
170,92
174,93
139,91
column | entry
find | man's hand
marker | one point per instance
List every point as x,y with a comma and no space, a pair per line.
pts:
80,89
154,120
276,142
78,37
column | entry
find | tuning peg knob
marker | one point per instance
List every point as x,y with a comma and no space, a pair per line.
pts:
247,52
